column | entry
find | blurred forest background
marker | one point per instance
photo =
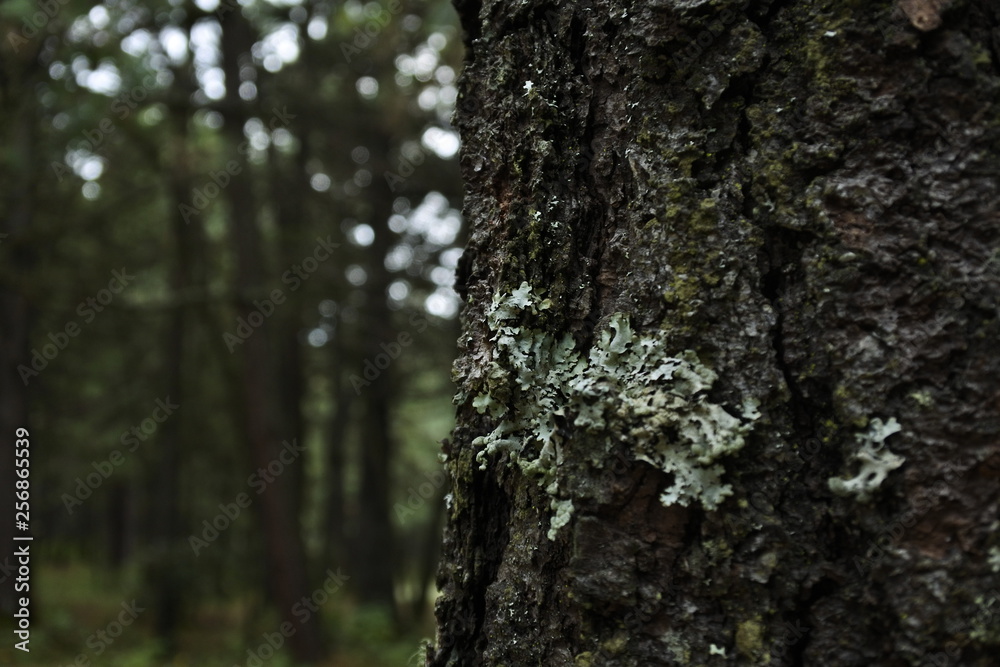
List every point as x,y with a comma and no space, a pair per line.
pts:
229,234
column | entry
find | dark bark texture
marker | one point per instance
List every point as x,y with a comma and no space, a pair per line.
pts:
801,196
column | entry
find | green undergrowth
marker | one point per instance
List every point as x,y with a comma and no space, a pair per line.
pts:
72,602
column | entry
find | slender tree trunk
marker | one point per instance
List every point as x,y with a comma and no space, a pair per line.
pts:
334,533
728,379
18,72
186,273
168,538
286,572
13,415
121,524
376,556
288,194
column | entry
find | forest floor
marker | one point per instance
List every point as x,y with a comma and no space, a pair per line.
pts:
75,609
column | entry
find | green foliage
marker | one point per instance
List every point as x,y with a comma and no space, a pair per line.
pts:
76,601
114,145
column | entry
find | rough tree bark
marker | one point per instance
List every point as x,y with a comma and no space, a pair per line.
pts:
728,377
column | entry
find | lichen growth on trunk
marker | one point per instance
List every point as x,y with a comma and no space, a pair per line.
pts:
627,388
876,461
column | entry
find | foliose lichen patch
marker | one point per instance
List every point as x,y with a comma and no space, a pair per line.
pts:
625,388
875,458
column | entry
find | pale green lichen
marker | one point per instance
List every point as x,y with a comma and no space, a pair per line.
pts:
616,644
750,637
875,458
715,650
985,625
563,511
485,402
923,398
678,645
994,559
626,387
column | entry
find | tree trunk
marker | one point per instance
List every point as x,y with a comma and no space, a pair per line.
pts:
19,172
289,193
285,555
121,524
375,554
187,274
334,516
728,387
13,416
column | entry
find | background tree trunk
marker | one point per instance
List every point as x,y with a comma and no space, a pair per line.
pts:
20,177
334,511
285,555
801,197
375,553
187,275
